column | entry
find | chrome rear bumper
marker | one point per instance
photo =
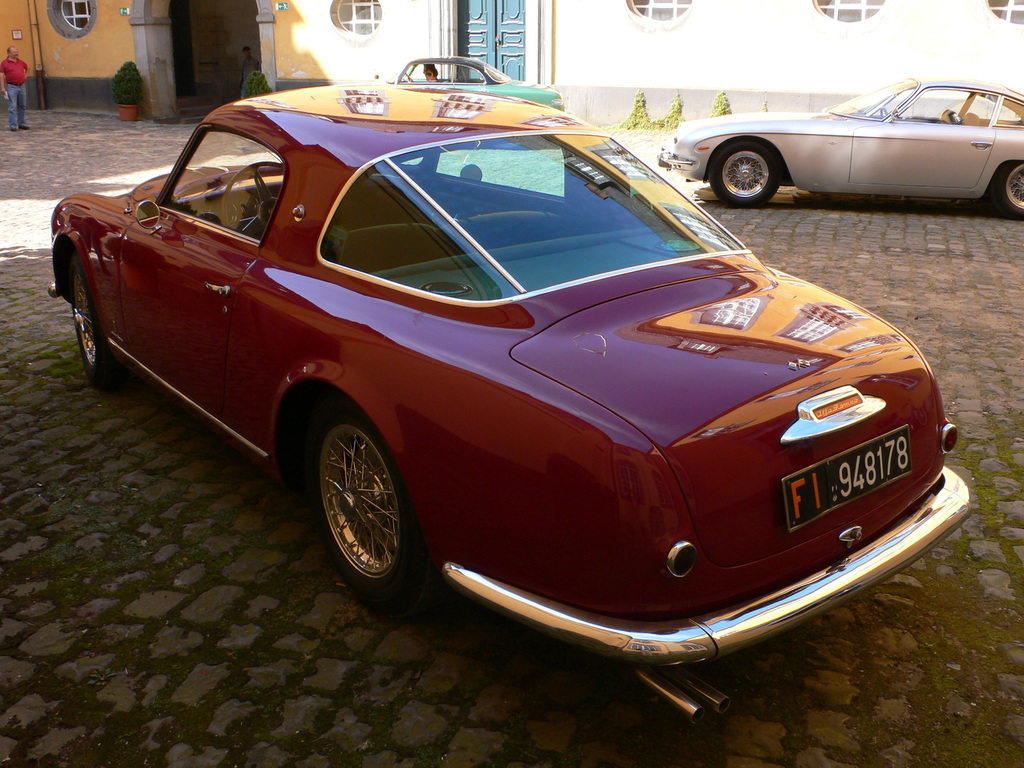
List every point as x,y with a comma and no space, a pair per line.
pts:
712,635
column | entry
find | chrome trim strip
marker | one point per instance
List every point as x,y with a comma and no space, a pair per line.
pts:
186,400
716,634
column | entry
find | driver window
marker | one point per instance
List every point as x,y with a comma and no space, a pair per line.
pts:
979,109
937,105
229,181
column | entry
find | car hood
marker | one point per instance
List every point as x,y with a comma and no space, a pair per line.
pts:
712,371
750,122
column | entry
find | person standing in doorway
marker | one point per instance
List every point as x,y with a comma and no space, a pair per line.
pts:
250,64
13,73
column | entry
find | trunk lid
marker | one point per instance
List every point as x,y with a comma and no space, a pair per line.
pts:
712,371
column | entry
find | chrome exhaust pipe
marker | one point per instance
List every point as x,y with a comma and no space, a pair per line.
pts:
703,691
653,677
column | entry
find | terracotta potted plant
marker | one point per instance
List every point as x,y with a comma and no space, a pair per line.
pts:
126,88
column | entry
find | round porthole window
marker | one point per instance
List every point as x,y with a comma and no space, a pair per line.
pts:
357,17
72,18
1008,10
660,10
850,10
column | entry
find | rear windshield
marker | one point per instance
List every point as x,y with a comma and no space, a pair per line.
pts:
506,216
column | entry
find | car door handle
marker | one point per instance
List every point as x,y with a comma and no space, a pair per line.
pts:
220,290
981,144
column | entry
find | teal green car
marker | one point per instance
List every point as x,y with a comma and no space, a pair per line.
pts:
474,75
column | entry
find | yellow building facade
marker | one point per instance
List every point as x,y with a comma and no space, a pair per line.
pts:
786,54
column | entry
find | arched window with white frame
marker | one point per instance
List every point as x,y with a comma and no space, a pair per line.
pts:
850,11
1008,10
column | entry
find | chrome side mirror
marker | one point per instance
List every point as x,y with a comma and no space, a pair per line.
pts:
147,213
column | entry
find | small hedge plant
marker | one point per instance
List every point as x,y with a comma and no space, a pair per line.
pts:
126,87
256,85
721,105
640,120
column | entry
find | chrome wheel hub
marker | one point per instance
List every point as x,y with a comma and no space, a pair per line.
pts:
745,174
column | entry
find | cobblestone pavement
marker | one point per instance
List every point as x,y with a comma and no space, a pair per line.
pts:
162,603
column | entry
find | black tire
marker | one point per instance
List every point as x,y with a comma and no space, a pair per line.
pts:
364,512
1007,190
745,174
102,369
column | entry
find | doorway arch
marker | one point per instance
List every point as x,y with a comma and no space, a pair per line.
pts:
154,51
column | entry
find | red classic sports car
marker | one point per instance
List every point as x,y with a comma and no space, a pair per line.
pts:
503,354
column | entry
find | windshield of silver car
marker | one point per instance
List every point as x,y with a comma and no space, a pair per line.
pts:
879,104
491,219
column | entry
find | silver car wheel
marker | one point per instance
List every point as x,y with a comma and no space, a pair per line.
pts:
360,501
83,319
1015,187
745,174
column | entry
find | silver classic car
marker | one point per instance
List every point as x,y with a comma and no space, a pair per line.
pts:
957,139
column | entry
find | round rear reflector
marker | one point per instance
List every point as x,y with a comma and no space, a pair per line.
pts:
681,558
949,436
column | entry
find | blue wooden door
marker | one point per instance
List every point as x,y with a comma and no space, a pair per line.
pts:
495,31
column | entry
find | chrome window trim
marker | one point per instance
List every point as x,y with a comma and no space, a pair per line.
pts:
389,159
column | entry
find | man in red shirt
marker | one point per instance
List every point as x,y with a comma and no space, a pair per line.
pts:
13,72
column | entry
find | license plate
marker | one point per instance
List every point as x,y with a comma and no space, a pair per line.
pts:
812,492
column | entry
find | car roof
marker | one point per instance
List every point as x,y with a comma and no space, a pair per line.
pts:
447,60
980,85
358,124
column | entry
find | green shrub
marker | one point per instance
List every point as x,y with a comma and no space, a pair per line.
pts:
674,117
126,87
721,105
639,119
256,85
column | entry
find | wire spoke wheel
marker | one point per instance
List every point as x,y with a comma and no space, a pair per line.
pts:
1015,187
101,367
369,524
360,501
746,174
1007,190
82,315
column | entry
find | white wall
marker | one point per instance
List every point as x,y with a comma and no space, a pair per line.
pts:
781,45
310,47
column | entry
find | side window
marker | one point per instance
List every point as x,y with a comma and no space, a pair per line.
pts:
468,75
1011,114
978,109
379,230
229,181
937,105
